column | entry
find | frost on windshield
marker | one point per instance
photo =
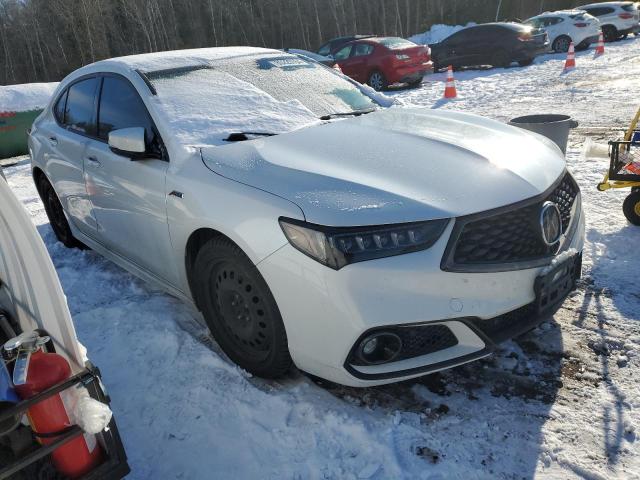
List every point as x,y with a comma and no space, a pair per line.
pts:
253,93
203,106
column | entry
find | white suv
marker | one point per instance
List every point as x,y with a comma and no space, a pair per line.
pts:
564,27
307,222
618,19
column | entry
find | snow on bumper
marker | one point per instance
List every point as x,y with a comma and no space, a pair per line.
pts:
326,311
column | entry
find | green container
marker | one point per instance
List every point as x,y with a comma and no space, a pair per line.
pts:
13,132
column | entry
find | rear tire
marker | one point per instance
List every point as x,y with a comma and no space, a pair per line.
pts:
239,309
416,84
526,62
377,81
610,33
501,59
631,208
55,213
561,44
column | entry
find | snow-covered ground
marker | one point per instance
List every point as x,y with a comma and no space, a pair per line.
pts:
561,402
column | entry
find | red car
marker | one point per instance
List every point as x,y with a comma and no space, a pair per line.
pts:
383,61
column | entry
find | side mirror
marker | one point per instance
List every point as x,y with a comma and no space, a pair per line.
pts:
128,142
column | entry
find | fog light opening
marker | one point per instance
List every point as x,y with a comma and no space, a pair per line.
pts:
379,348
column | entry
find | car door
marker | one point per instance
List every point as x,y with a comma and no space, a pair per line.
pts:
456,48
128,196
555,26
359,61
344,60
66,141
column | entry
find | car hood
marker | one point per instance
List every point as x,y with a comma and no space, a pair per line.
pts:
395,165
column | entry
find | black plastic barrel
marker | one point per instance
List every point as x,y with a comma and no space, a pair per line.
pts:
552,126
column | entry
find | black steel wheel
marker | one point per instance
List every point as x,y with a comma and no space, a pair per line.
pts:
55,213
631,208
377,81
239,309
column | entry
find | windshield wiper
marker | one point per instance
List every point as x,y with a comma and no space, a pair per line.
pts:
242,136
355,113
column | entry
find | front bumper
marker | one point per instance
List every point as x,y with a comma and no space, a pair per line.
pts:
326,311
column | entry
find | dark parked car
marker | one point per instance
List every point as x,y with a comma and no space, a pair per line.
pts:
383,61
334,44
497,44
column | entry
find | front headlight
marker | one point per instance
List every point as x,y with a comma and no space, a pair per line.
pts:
336,247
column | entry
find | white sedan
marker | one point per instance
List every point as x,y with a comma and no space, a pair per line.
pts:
564,27
309,224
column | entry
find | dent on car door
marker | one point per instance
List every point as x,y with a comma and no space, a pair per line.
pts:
127,195
66,138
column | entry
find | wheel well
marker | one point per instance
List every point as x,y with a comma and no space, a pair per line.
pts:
38,174
194,244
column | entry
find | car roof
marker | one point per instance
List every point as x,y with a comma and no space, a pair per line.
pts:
606,4
510,25
148,62
559,13
349,38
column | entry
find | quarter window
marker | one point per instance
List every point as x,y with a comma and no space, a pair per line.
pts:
78,112
58,110
121,107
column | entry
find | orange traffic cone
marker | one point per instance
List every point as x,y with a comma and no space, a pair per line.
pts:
600,46
571,58
450,88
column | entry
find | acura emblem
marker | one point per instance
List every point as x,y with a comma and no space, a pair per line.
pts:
550,223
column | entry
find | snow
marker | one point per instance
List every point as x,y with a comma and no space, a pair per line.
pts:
206,106
25,97
560,402
437,33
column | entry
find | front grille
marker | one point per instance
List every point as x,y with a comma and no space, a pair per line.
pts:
510,324
422,340
514,235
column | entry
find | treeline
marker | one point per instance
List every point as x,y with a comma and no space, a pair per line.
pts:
43,40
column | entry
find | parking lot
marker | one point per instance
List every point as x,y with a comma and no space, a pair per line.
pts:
562,400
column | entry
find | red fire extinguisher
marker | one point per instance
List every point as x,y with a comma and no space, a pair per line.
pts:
34,372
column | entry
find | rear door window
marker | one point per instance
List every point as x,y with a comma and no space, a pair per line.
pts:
121,107
79,109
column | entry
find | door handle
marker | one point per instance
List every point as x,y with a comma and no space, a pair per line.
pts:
94,161
53,141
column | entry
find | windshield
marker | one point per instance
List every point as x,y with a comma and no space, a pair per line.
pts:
272,93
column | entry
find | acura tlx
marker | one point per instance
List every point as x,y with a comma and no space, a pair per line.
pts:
311,222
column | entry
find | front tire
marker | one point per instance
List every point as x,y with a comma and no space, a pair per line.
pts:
377,81
55,213
631,208
240,310
526,62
